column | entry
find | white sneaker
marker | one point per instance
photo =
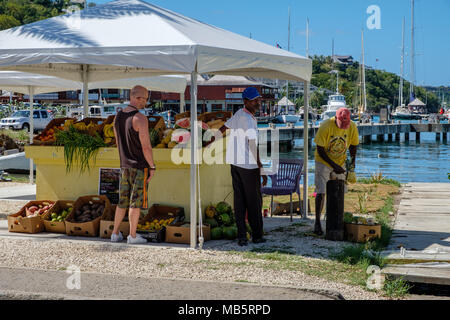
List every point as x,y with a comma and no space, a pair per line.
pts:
138,240
117,237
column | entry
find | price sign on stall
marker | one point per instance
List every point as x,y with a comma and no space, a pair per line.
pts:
109,184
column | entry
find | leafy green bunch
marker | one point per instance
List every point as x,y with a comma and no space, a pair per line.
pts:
79,148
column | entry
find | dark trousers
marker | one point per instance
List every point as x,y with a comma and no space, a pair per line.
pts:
247,199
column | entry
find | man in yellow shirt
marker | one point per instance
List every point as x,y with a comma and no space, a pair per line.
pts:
334,138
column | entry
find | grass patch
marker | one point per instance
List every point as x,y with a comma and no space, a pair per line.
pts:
369,254
20,178
285,250
17,135
396,288
382,180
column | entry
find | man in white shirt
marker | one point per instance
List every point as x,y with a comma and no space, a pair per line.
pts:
243,156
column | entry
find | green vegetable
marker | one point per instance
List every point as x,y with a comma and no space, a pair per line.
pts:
79,148
216,233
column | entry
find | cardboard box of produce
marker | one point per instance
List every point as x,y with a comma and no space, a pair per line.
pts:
153,225
84,220
181,233
361,232
29,218
54,218
107,224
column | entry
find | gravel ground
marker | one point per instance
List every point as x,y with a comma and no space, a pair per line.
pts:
10,206
165,262
216,263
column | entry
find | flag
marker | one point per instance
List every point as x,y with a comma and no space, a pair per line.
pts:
278,46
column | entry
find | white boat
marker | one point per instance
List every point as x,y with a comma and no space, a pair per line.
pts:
403,113
286,112
15,162
335,102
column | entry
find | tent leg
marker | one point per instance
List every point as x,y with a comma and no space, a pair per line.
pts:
194,160
305,148
31,94
182,102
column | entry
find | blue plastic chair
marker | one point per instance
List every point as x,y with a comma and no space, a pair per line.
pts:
286,181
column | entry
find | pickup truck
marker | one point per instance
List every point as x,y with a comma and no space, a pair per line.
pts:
20,120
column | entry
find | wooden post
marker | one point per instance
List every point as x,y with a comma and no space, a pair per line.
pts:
406,136
438,136
380,138
397,137
444,136
389,137
335,210
418,136
367,139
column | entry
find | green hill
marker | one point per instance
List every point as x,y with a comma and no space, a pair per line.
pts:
382,87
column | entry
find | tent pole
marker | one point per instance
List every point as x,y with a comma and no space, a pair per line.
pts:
182,102
306,149
31,95
85,91
194,160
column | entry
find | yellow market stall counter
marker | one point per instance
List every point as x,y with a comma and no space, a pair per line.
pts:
169,186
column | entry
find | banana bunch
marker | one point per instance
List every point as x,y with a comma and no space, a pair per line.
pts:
108,133
67,124
80,126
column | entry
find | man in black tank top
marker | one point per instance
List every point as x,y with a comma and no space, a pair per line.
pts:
136,164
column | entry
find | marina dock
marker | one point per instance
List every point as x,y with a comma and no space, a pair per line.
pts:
419,250
383,132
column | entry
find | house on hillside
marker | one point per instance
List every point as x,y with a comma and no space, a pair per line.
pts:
346,60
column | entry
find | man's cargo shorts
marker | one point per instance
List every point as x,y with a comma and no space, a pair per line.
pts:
133,190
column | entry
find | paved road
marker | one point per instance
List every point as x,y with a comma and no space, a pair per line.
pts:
49,285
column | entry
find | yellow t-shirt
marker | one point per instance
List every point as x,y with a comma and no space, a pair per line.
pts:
335,141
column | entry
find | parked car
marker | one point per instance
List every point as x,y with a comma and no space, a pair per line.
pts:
20,120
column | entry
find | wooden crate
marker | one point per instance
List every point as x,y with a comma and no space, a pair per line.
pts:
55,122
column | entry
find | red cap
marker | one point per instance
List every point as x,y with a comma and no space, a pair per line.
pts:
343,118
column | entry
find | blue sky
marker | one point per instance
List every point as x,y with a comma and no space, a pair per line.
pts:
267,21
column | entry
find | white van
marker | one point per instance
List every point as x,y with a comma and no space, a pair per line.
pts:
106,110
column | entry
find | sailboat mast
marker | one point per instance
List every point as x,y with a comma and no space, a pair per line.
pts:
411,85
402,68
363,74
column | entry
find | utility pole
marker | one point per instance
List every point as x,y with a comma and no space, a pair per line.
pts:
289,49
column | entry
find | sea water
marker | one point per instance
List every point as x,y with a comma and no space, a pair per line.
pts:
404,161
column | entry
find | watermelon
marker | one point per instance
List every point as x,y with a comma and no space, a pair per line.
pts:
224,219
154,137
212,223
216,233
223,207
185,123
230,233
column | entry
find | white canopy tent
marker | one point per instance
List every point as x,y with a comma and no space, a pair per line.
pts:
131,38
31,84
159,83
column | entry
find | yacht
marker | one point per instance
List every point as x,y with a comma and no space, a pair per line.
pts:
286,112
335,102
403,113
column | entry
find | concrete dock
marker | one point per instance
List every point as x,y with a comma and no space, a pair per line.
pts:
381,131
420,246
